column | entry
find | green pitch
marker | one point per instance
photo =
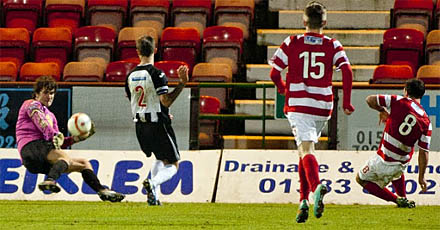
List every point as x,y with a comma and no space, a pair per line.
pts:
130,215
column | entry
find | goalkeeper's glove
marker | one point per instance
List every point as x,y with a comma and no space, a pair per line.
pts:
58,140
85,136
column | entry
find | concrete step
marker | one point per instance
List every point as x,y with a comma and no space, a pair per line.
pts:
260,72
276,5
358,55
271,142
293,19
274,37
272,127
270,92
254,107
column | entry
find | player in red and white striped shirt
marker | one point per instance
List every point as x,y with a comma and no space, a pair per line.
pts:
406,123
310,58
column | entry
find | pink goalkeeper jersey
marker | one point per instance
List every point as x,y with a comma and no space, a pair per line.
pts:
310,58
43,125
407,124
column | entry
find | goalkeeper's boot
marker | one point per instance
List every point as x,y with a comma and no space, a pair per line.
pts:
151,194
318,207
402,202
303,212
112,196
49,185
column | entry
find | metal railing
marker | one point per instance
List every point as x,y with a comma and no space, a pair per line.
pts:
195,117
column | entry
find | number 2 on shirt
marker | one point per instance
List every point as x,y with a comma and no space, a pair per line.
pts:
310,57
140,90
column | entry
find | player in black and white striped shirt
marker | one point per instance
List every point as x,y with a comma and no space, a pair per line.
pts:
147,90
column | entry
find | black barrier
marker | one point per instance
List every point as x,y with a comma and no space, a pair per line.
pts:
11,100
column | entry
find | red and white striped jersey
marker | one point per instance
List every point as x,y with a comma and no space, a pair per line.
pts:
407,124
310,58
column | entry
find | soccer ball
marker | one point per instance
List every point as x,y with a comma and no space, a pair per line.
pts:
79,124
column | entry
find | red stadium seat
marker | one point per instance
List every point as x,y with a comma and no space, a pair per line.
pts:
433,48
127,41
192,14
392,74
238,13
223,44
64,13
22,13
209,104
180,44
110,13
8,71
430,74
209,129
14,45
149,13
403,47
117,71
214,72
170,69
52,45
83,71
95,44
414,14
30,71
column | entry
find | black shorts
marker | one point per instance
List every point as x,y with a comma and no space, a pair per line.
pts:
159,138
34,156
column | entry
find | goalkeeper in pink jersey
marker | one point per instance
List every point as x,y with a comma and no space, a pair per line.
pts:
40,143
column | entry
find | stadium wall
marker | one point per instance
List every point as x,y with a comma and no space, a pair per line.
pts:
228,176
110,109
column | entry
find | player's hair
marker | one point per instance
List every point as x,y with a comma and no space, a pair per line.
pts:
44,82
415,88
315,14
145,45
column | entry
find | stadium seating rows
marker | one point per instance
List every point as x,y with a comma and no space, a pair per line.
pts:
221,44
412,42
105,20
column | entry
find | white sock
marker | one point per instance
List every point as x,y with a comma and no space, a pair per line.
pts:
163,175
156,167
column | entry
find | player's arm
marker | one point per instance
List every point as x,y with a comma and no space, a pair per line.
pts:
127,89
373,103
38,117
341,62
347,82
279,61
68,141
169,98
423,162
275,75
424,143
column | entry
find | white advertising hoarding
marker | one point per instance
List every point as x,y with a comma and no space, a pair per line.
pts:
122,171
270,176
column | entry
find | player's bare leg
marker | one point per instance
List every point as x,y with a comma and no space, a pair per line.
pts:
85,168
60,163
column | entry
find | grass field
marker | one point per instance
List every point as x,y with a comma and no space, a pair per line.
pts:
103,215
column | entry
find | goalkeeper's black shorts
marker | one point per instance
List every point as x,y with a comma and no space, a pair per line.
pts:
158,138
34,156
